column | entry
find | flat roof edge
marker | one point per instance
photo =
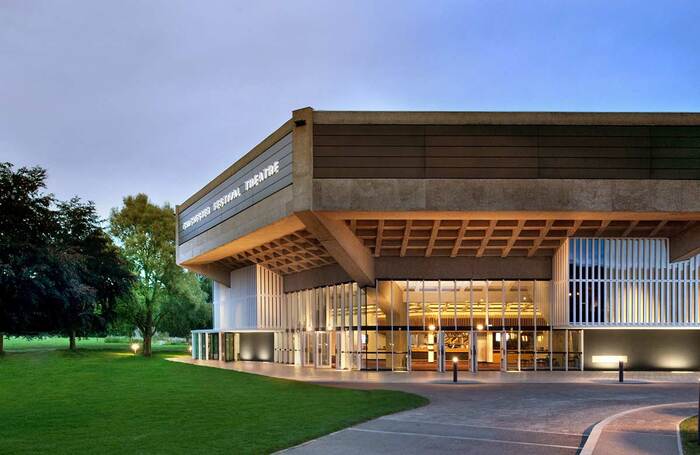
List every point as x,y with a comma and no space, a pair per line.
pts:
508,118
263,145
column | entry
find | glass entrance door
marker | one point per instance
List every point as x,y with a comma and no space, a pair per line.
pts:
424,351
457,348
488,350
229,346
323,350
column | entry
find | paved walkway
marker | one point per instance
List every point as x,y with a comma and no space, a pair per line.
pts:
499,413
523,418
327,375
648,430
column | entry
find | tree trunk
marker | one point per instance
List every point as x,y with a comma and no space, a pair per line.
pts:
2,343
148,334
147,341
71,342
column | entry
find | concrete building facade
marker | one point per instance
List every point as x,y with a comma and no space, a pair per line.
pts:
409,240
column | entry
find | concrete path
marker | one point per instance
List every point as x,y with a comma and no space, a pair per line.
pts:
647,430
321,375
493,412
496,418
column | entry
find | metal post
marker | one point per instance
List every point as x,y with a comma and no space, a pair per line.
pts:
698,413
454,370
621,371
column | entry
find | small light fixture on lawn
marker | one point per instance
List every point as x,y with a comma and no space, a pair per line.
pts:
189,348
135,347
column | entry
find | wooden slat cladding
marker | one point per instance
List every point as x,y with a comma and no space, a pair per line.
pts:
506,151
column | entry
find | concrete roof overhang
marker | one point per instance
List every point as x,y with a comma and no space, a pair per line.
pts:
316,222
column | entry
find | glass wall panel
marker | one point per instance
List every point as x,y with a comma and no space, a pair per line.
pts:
464,305
401,333
542,355
195,346
527,324
575,350
479,304
512,348
448,297
432,305
213,346
415,306
229,347
559,349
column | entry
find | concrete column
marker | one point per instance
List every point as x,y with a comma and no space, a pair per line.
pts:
303,163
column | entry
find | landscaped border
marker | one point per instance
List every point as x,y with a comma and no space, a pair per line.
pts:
688,436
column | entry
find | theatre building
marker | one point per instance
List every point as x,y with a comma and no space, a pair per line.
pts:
404,241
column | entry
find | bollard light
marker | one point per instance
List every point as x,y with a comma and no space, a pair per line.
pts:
189,348
621,368
455,359
135,347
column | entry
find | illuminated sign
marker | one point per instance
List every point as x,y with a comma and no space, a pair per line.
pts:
264,175
234,194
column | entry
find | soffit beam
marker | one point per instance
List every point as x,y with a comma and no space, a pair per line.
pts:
342,245
216,272
686,244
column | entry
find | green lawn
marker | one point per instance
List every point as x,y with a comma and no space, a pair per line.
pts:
110,401
689,434
39,344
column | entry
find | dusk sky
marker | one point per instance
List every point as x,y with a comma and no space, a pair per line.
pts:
121,97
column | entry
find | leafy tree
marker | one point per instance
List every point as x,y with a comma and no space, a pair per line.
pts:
205,285
146,233
88,270
186,305
26,225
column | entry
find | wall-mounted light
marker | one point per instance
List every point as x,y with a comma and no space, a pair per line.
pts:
609,358
300,122
479,327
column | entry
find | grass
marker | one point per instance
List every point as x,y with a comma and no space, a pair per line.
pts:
109,401
42,344
689,435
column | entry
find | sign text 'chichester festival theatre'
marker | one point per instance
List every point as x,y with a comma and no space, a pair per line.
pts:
234,194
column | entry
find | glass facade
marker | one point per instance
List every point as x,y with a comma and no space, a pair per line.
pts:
425,325
502,325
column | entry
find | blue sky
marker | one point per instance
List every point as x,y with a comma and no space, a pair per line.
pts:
120,97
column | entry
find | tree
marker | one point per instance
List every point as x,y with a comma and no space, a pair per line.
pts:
89,272
186,305
26,225
146,233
